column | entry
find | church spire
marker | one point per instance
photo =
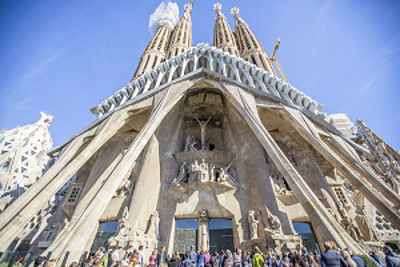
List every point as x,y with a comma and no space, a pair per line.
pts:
165,18
249,46
223,36
155,51
182,36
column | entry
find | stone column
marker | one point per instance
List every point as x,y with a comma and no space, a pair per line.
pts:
203,233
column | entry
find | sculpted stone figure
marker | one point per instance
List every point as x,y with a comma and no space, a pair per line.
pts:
121,237
153,230
125,187
182,176
203,125
204,173
123,223
194,174
227,175
253,224
348,225
273,224
191,144
367,230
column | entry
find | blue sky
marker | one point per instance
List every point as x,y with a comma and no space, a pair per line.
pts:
64,57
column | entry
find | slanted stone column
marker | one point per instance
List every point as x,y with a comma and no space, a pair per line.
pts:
147,189
16,217
324,224
311,134
75,232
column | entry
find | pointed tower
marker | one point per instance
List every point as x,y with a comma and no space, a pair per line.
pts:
182,36
249,47
223,35
157,47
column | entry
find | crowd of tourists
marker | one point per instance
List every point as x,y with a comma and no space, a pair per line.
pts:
331,257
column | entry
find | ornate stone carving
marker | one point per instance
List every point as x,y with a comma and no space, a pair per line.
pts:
153,230
280,186
253,224
349,225
272,225
5,201
125,188
191,144
124,235
365,227
385,160
206,172
284,243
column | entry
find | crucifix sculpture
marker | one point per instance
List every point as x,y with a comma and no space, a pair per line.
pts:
203,125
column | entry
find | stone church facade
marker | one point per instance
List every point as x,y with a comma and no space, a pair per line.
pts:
211,132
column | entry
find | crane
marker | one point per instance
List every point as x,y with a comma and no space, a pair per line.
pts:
275,61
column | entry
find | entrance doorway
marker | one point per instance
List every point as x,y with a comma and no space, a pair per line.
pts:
185,235
218,233
106,230
221,235
307,235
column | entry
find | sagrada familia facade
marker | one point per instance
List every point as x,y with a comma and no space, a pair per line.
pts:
210,132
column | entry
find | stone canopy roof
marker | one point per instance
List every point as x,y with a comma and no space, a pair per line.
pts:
205,57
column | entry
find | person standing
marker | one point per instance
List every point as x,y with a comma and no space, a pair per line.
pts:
292,256
222,258
208,259
140,257
237,258
331,257
356,259
258,258
348,259
392,260
378,259
246,261
162,257
153,259
174,261
215,259
201,259
193,255
186,261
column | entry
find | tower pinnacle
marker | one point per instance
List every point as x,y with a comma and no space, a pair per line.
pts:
165,18
235,12
223,35
249,47
218,8
182,35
